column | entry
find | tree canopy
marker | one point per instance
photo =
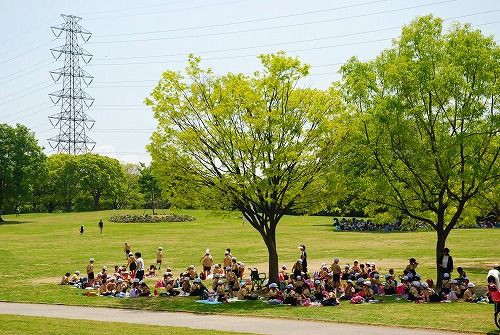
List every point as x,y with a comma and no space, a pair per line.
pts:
22,164
260,140
428,122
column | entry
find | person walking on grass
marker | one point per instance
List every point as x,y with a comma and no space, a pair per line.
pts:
82,230
159,257
101,226
127,249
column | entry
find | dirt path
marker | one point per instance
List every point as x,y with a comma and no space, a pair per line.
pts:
199,321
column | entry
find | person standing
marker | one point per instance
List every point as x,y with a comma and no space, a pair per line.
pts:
101,226
90,272
445,262
126,248
303,257
207,261
140,266
159,257
82,230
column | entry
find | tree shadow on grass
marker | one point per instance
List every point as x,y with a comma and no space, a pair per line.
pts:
12,222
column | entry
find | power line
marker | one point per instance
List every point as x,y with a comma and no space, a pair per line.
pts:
27,88
244,21
25,73
288,42
25,110
26,52
25,95
280,26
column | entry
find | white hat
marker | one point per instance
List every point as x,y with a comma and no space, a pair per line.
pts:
197,280
220,282
317,282
217,275
299,278
77,272
273,285
91,260
446,275
367,283
470,285
299,260
415,283
453,281
136,280
160,248
425,285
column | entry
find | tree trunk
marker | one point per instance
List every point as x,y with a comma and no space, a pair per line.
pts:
440,244
96,202
273,261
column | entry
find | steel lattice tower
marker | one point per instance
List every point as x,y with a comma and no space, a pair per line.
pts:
72,120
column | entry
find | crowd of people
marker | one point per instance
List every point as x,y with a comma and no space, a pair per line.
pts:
300,286
356,224
360,224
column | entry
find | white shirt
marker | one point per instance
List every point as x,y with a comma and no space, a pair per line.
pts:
140,264
444,264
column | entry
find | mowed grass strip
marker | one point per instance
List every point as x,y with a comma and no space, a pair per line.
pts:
21,325
37,249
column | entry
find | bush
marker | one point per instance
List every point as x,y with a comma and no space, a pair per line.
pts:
151,218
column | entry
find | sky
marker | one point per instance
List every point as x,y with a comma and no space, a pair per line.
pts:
133,42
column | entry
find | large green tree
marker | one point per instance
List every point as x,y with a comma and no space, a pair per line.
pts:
99,175
260,140
428,122
21,165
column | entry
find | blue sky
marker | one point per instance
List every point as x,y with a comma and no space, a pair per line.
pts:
133,42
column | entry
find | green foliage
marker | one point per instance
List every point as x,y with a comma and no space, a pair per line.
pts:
260,141
22,166
427,122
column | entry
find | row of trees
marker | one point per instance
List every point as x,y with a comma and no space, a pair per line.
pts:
413,133
30,180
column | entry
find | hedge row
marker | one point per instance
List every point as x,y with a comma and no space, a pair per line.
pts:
151,218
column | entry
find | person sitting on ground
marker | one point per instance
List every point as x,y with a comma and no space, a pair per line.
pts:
330,300
245,291
198,289
290,297
297,268
403,287
454,291
191,271
111,286
186,285
151,272
390,285
282,273
469,295
220,291
412,266
65,279
134,291
218,270
461,274
121,286
233,284
207,261
274,296
349,291
377,284
75,279
355,267
414,293
345,273
144,289
215,281
367,292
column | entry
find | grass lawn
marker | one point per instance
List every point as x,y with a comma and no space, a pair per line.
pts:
37,249
16,325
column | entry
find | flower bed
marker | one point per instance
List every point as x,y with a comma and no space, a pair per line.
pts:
151,218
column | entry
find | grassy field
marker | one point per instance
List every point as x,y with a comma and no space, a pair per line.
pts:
17,325
37,249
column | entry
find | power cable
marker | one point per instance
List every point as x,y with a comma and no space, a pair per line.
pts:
280,26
